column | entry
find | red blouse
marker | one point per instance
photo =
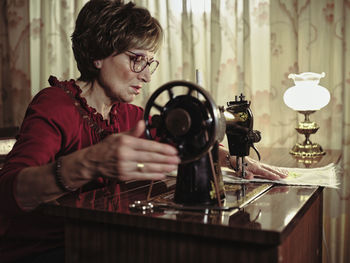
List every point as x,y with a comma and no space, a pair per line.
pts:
58,121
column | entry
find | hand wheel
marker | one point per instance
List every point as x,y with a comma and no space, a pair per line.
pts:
185,121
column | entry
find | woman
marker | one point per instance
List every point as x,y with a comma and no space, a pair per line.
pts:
84,132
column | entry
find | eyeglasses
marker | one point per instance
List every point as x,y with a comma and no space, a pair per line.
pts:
139,63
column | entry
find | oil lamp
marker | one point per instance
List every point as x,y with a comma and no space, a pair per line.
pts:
306,97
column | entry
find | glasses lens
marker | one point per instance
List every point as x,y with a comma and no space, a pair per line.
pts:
153,66
139,64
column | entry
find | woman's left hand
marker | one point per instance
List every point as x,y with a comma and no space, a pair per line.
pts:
253,168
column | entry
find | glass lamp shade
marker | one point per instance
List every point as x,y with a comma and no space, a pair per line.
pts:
306,95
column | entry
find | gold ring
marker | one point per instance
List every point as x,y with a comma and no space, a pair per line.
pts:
139,166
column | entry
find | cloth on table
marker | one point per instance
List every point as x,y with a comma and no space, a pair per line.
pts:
321,176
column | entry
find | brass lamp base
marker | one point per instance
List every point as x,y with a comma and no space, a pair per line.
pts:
309,150
308,155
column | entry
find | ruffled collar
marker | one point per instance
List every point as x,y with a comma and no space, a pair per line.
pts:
72,89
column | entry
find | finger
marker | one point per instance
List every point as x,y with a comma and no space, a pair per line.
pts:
145,171
266,170
132,170
249,175
138,130
282,173
144,145
145,167
155,158
152,168
126,144
259,171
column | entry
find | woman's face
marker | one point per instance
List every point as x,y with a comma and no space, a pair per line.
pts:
118,80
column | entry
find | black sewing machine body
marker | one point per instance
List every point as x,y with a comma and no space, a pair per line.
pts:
240,134
195,125
195,182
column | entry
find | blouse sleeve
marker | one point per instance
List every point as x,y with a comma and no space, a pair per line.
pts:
39,141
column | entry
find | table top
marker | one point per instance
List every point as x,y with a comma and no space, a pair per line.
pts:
258,213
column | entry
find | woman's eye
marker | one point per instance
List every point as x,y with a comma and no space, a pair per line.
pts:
139,58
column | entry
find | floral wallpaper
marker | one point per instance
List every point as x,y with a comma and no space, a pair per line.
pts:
237,45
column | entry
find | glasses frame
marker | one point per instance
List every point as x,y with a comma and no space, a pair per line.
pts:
134,58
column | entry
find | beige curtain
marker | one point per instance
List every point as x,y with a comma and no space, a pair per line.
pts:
247,46
50,44
14,66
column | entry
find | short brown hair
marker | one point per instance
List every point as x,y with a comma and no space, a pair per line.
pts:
104,27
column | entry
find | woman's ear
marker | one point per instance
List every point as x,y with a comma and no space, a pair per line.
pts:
98,63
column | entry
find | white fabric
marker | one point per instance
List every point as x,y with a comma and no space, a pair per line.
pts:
322,176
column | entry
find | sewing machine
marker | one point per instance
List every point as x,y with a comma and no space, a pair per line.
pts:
190,120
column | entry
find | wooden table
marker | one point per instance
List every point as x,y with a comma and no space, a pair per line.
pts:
282,224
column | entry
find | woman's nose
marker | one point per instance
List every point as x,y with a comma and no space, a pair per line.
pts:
145,75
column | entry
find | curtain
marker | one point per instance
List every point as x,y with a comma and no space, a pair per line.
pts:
238,46
14,67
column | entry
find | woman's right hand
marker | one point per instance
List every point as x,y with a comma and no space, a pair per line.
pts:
123,156
126,156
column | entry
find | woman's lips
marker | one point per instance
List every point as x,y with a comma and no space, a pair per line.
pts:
137,89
